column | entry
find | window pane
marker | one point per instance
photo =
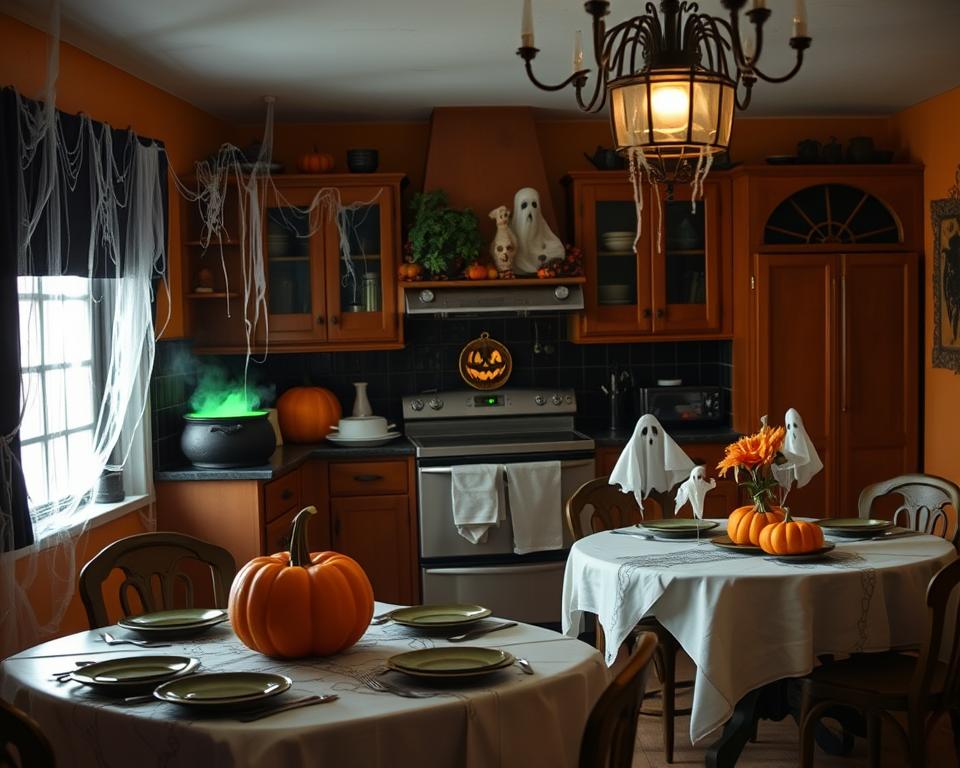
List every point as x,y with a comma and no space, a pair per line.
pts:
29,334
56,400
66,329
32,424
79,390
80,445
66,286
58,468
35,472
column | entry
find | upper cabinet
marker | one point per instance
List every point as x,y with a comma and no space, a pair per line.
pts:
669,282
331,248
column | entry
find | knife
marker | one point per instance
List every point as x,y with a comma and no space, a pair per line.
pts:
480,632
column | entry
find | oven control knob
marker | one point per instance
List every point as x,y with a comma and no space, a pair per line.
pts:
417,405
569,399
540,400
561,292
556,399
436,403
426,296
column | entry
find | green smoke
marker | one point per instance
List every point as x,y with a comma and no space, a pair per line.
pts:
218,395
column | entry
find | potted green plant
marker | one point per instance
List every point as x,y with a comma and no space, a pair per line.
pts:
442,239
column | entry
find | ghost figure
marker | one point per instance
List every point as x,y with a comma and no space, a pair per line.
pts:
651,461
694,489
802,460
536,243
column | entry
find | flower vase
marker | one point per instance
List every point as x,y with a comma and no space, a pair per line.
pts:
361,404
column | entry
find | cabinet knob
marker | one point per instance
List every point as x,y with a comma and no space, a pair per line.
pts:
646,312
334,320
319,319
661,312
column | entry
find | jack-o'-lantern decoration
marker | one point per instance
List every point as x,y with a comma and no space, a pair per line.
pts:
485,363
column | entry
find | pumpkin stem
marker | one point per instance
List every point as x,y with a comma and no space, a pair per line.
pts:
299,551
786,515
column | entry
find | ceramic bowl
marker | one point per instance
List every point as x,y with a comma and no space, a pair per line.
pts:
617,241
363,427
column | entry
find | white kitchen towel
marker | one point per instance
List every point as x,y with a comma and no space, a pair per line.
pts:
533,493
476,493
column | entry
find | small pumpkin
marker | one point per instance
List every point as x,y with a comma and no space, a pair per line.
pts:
315,162
477,272
745,523
492,273
409,271
307,414
791,537
299,603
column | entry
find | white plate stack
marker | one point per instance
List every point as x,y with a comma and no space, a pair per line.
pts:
363,431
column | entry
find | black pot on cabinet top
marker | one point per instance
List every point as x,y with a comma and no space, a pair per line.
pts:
224,442
362,160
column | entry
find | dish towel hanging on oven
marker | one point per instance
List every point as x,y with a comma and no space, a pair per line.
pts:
476,492
533,493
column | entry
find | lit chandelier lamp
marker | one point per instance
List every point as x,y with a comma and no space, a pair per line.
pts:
673,79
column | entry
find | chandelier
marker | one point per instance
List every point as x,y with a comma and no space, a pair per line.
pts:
673,79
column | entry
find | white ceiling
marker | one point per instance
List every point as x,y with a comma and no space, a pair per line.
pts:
329,60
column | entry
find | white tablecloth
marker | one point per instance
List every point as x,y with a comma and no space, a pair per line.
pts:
748,620
505,719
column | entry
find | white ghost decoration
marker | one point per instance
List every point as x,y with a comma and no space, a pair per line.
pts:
651,461
694,489
802,459
536,243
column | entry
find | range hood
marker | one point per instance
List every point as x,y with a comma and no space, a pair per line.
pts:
516,299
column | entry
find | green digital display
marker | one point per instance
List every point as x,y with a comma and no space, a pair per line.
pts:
486,401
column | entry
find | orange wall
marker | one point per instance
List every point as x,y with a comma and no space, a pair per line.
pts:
927,134
87,84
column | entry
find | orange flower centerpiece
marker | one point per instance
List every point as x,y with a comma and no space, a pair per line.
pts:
766,522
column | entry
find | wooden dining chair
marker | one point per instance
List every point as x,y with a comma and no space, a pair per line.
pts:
611,730
924,686
22,743
604,507
922,506
152,565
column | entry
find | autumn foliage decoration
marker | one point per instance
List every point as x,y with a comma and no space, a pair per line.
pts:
750,458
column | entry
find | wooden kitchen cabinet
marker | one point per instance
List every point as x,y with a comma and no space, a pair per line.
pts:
672,284
330,281
827,322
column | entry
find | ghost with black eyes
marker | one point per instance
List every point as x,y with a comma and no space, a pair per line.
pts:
694,490
536,243
651,461
802,460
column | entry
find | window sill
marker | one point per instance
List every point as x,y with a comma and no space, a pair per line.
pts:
92,516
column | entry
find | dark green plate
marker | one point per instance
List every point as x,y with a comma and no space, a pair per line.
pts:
727,543
122,674
678,528
854,527
227,690
805,557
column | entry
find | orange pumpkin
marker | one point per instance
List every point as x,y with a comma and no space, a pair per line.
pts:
745,523
492,273
300,603
477,272
791,537
315,162
306,414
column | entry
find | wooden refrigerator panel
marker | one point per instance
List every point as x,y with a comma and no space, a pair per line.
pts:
796,353
879,370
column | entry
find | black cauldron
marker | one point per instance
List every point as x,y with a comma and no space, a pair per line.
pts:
221,442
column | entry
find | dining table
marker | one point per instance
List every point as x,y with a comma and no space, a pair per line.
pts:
747,619
510,717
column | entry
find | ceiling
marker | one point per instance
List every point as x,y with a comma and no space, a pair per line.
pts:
337,60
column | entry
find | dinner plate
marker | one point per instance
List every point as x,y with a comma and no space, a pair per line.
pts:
854,527
452,661
727,543
223,689
440,615
362,442
173,623
804,557
130,672
678,528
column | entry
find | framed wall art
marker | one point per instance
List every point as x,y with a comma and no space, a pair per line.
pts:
945,215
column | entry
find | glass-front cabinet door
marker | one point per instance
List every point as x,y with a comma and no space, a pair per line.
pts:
360,266
686,263
616,264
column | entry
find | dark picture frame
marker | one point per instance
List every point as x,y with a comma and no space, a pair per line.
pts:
945,216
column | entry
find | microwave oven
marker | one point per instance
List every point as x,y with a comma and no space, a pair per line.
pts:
685,405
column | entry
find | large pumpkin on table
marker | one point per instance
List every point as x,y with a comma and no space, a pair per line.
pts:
307,414
745,523
299,603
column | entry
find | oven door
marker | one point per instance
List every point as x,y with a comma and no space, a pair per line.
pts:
438,534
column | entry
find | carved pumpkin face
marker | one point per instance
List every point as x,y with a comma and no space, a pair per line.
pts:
485,363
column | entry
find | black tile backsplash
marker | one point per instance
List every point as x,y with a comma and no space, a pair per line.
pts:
541,353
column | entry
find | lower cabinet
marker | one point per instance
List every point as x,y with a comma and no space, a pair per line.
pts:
365,509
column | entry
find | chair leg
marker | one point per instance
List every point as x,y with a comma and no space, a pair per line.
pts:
955,723
874,732
917,736
669,680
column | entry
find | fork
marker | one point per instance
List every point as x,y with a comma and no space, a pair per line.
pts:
374,683
111,640
382,618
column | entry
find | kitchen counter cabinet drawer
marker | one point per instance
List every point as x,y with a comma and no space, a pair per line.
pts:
282,495
277,533
368,478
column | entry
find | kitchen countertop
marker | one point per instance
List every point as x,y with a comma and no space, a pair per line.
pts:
604,437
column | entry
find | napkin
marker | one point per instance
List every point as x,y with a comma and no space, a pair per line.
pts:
694,489
802,459
476,492
651,461
536,506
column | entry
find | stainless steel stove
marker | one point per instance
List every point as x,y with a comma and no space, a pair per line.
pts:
500,427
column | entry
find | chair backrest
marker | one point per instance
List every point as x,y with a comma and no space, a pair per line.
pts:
923,500
150,560
609,507
942,646
22,743
611,730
